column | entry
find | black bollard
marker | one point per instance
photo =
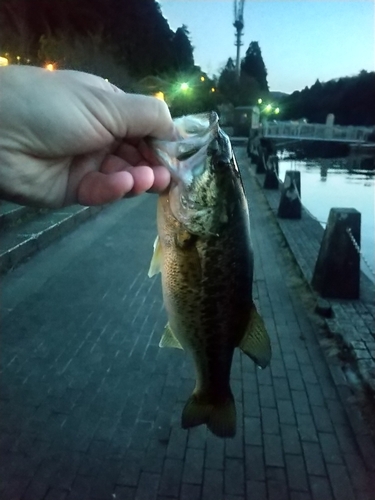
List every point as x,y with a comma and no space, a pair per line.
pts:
337,269
290,200
252,145
271,180
260,162
264,148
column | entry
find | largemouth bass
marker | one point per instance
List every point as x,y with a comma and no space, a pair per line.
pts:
204,253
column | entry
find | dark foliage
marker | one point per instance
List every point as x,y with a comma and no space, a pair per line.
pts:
182,50
135,31
252,83
228,85
252,66
350,99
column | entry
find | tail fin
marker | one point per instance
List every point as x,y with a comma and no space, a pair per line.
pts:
220,417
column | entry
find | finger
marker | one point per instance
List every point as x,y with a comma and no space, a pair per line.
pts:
97,188
113,163
147,116
131,115
84,78
162,179
129,153
143,178
147,152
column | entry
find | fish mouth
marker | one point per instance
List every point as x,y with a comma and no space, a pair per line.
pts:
220,148
197,137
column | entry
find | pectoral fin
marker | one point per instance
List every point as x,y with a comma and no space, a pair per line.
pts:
155,265
168,339
256,342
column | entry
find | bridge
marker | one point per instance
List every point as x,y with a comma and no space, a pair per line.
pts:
315,132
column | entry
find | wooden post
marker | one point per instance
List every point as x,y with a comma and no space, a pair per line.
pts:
261,162
290,200
337,269
271,180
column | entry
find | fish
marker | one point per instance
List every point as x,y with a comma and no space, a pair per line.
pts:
204,253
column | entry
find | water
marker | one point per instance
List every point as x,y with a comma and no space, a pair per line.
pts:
329,183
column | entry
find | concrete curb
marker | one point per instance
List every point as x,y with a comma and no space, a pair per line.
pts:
22,241
11,213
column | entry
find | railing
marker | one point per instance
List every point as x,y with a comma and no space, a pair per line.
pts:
314,131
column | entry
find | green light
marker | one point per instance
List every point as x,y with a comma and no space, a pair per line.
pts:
260,101
277,111
184,86
268,108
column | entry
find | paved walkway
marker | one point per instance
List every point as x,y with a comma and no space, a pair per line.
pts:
90,406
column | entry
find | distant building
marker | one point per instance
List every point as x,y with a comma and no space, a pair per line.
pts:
244,119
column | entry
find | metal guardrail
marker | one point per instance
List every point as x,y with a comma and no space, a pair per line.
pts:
314,131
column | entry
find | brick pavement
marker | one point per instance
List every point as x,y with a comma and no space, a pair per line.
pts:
90,406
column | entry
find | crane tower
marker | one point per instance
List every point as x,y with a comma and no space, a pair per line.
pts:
238,24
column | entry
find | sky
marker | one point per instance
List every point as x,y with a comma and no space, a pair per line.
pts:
301,40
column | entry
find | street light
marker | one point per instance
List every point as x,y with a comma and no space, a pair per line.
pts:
184,86
277,111
268,108
159,95
4,61
49,66
260,101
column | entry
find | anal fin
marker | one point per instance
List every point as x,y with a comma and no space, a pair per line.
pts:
256,342
168,339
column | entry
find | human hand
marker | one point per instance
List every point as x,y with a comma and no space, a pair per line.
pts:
69,137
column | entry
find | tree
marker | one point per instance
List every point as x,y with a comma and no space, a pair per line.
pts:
16,37
138,34
253,79
350,99
228,85
253,66
142,35
182,49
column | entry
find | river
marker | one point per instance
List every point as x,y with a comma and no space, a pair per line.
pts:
341,182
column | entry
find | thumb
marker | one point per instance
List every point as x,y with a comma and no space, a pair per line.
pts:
132,115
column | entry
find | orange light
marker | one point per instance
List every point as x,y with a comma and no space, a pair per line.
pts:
159,95
50,67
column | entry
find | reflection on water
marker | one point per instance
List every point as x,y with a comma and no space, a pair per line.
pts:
339,182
